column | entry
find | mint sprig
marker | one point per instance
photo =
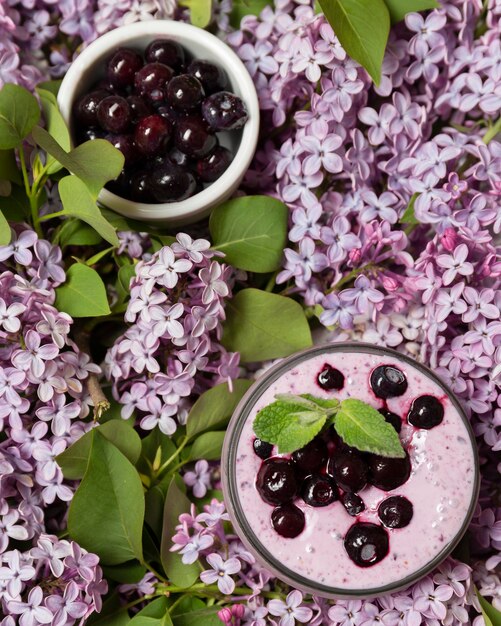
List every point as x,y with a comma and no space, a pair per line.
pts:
292,421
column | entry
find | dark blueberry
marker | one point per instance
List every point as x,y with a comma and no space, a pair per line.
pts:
349,471
211,167
288,521
170,113
194,138
311,457
89,134
122,66
86,107
388,381
366,544
152,134
262,448
152,79
180,158
276,481
171,183
126,145
388,474
224,111
167,52
184,92
330,378
140,187
318,490
138,107
212,77
353,503
426,412
395,512
113,114
392,418
121,185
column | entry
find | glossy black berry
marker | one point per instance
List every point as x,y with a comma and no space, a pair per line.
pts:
353,503
184,92
388,381
330,378
126,145
122,67
392,418
171,183
212,77
386,473
152,135
193,137
262,448
86,107
288,521
210,168
179,158
114,114
167,52
170,113
311,457
366,544
426,412
140,187
152,79
224,111
318,490
395,512
349,471
121,185
276,481
138,107
89,134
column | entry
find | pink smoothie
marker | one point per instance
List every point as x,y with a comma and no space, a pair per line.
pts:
442,484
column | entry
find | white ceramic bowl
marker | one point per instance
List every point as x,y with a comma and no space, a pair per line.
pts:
89,67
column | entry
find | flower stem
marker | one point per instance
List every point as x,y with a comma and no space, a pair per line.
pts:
492,132
32,197
172,457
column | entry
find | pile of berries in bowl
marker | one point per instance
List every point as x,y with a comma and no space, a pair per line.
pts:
163,111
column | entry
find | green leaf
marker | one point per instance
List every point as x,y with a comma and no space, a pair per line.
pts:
56,126
51,85
208,446
214,408
125,273
156,446
491,615
292,421
362,27
175,504
200,11
5,232
251,231
241,8
74,232
202,617
74,460
19,113
112,614
16,207
94,162
125,573
363,427
8,167
409,216
83,294
262,325
78,202
154,614
107,511
119,222
399,8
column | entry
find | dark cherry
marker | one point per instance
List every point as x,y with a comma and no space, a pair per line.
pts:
194,138
212,77
311,457
276,481
330,378
426,412
170,113
388,381
386,473
126,145
180,158
224,111
152,79
262,448
366,544
395,512
349,471
113,114
152,134
121,185
86,107
171,183
353,503
140,187
288,521
167,52
138,107
392,418
89,134
122,67
318,490
211,167
184,92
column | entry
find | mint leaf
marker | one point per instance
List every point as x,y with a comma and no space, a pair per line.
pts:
363,427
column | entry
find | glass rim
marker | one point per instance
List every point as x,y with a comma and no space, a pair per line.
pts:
230,490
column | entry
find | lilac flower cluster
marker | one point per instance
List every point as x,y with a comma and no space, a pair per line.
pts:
171,349
42,404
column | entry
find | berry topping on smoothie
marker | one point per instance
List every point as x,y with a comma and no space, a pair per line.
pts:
388,382
426,412
396,512
366,544
330,378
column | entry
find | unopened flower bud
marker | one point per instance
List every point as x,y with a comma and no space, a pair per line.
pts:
449,239
225,615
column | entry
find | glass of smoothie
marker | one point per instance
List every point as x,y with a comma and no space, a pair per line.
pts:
337,522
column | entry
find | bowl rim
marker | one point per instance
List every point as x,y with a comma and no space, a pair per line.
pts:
230,487
238,75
